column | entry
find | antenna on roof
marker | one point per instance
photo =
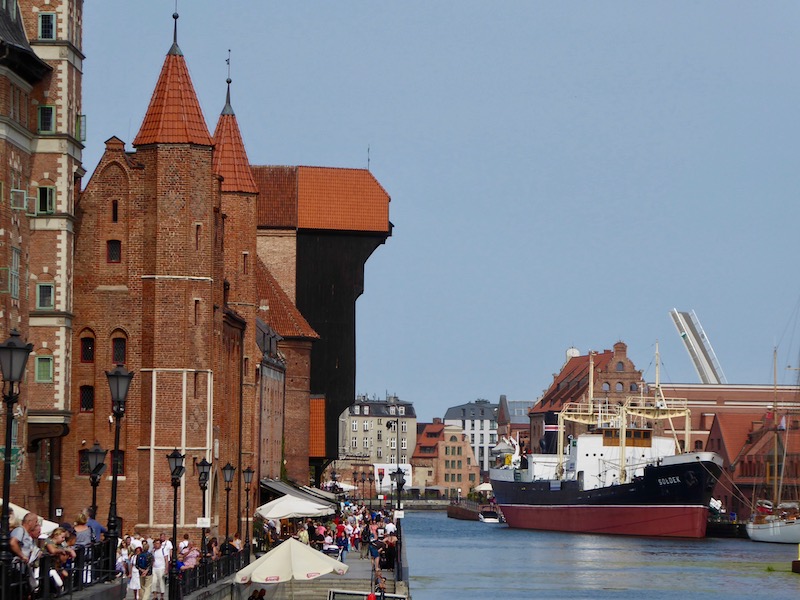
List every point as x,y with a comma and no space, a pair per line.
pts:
228,61
367,157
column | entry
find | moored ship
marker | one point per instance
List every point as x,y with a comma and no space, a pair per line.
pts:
619,477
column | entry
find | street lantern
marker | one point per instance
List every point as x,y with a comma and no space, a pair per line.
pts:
119,381
96,456
14,354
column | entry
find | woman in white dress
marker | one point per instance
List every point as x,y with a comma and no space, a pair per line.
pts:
135,583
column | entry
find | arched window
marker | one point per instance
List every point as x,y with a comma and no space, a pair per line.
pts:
453,438
119,348
87,349
606,386
619,387
634,387
620,366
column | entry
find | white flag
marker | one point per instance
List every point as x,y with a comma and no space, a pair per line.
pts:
782,426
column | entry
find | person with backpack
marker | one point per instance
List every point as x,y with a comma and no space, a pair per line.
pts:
144,564
365,539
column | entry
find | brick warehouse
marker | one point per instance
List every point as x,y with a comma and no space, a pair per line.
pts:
189,267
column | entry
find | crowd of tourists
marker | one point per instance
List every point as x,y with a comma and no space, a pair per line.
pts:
355,530
145,562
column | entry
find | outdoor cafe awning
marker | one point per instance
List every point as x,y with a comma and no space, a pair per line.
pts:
281,488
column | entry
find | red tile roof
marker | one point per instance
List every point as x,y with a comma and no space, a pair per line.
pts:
277,309
572,382
277,200
322,198
174,115
230,157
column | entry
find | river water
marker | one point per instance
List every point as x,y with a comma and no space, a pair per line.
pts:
449,558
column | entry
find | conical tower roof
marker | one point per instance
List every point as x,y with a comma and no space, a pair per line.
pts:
230,157
174,115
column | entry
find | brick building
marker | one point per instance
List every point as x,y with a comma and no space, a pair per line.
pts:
41,134
157,265
444,461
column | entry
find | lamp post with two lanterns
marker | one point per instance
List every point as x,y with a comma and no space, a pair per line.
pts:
14,354
176,469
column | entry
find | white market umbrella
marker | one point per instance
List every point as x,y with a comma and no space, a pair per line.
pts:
484,487
288,561
292,507
19,513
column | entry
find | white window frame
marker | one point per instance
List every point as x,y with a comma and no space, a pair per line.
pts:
354,425
356,409
366,442
52,25
401,410
366,425
354,442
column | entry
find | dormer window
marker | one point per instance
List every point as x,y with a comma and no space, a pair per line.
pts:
366,410
391,410
356,409
401,410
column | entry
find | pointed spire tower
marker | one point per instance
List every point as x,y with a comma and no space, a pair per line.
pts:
174,115
238,202
230,157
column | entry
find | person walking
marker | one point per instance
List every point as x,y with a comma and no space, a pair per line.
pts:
135,584
160,564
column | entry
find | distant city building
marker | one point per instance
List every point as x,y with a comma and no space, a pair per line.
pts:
375,432
443,461
478,420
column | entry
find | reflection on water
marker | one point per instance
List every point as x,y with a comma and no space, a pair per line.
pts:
449,558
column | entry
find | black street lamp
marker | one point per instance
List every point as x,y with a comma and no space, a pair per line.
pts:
399,481
204,472
355,485
14,354
119,381
176,470
96,455
248,479
227,473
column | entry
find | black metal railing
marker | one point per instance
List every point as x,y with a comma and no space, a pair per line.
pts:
208,572
48,578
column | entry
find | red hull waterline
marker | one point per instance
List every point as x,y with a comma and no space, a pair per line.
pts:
652,521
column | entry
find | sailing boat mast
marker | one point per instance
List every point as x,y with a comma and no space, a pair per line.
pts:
775,498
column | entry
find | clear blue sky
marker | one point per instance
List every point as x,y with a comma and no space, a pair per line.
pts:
561,173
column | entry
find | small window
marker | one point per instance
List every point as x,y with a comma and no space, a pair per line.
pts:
87,398
245,257
83,462
44,369
119,348
620,366
47,26
13,273
366,411
87,350
115,211
619,387
401,410
606,387
354,425
356,409
114,251
634,387
45,293
46,204
47,120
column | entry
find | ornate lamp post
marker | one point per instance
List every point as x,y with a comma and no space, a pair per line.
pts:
248,479
176,470
14,354
334,480
204,471
227,473
119,381
97,467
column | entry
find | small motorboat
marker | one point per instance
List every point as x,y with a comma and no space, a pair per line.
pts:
489,516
